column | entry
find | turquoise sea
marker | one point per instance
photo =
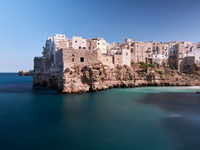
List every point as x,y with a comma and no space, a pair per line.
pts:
145,118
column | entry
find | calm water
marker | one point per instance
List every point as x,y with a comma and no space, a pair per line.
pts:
151,118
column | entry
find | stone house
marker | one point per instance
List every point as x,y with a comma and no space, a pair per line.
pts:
97,43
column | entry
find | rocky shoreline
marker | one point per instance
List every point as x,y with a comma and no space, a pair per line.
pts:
99,77
25,73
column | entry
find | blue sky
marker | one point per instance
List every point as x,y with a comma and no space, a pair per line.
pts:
25,24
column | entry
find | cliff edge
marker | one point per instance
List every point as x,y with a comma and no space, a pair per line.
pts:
100,77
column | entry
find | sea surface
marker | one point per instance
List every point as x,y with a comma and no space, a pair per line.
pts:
144,118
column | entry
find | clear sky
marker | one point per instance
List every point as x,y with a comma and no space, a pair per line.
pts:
25,24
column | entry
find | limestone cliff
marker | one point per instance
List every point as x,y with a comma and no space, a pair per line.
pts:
99,77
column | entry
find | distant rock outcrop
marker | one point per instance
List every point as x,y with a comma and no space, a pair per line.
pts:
25,72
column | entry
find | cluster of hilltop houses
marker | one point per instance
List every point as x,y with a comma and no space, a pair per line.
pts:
62,52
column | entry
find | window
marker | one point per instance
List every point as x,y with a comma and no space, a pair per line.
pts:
107,59
79,47
89,47
75,41
166,53
174,52
82,59
72,55
137,45
83,47
157,52
170,52
182,56
126,54
98,43
72,59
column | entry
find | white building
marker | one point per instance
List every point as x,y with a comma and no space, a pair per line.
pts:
172,48
128,41
126,60
97,43
77,42
101,44
196,53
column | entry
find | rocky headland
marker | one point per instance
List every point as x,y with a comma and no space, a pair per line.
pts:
100,77
25,72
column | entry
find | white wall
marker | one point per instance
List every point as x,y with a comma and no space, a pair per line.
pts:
101,44
126,57
195,53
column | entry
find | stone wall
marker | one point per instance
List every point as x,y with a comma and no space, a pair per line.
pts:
172,62
187,61
107,60
38,63
118,60
72,57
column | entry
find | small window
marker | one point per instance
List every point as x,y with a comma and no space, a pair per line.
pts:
79,47
174,52
72,59
126,54
98,43
75,41
89,47
107,59
83,47
82,59
72,55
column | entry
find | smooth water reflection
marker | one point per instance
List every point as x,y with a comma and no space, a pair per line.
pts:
151,118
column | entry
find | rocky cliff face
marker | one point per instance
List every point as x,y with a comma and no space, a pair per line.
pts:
97,78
